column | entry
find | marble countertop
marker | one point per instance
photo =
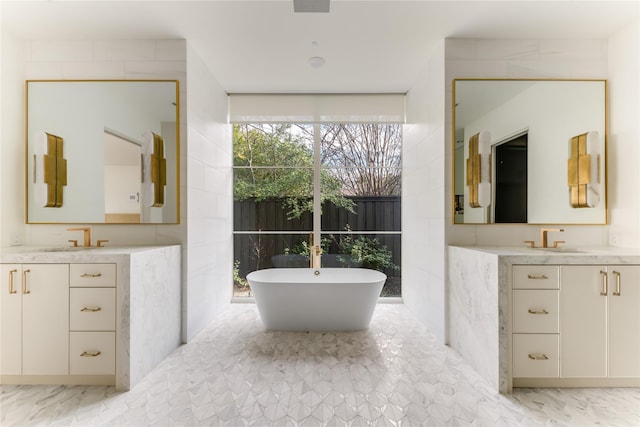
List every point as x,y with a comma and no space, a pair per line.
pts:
563,255
53,254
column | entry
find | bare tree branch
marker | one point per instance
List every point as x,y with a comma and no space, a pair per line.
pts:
364,157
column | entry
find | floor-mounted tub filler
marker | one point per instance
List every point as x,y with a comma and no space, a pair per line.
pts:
319,299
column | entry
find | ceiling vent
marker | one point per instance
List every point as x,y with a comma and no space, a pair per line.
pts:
313,6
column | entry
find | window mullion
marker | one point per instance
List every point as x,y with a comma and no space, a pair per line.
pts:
317,203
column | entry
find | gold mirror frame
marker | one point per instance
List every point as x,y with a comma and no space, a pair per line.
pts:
131,107
457,200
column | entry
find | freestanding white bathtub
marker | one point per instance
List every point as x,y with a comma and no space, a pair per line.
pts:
319,299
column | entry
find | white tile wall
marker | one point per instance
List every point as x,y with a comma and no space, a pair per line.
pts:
519,59
130,50
205,229
123,59
423,195
624,137
209,195
59,51
427,155
12,55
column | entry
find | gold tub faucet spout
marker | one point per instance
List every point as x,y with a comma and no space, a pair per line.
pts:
316,251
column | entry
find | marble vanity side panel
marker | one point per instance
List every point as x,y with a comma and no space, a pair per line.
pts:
155,313
473,310
504,330
123,306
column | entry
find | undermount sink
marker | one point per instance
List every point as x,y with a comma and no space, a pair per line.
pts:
561,250
68,248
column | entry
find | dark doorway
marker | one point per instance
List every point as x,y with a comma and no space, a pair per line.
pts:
511,181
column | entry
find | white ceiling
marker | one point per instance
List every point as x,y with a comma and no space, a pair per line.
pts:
263,46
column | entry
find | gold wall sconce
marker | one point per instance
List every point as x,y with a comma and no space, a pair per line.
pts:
49,170
583,170
478,170
154,170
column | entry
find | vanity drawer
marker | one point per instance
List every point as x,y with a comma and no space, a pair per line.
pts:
92,353
92,309
535,311
87,275
535,277
536,356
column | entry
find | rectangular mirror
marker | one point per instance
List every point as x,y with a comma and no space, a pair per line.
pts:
529,151
117,151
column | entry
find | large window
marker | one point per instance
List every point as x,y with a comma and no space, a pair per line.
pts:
349,173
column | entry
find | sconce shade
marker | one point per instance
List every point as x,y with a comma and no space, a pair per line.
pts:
49,170
583,170
154,170
478,170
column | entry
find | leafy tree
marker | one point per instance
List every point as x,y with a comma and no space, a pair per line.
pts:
275,161
369,250
366,250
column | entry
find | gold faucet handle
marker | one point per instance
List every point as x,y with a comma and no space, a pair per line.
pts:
530,243
555,243
75,243
100,242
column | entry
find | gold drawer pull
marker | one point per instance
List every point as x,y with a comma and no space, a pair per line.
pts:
91,309
11,289
91,275
617,292
605,284
538,356
24,282
89,354
537,311
537,276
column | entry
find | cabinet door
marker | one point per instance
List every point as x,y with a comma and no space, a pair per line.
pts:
583,322
45,319
11,319
624,321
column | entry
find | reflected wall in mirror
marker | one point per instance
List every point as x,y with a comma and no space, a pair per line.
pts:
103,124
531,124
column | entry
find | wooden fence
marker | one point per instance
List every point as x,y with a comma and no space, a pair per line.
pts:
256,251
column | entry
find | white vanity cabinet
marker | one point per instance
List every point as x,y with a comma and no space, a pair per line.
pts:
34,319
600,327
527,317
577,323
88,316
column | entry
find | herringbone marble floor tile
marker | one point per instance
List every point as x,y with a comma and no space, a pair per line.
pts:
237,374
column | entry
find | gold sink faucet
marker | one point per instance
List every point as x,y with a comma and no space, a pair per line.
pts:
87,235
544,238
